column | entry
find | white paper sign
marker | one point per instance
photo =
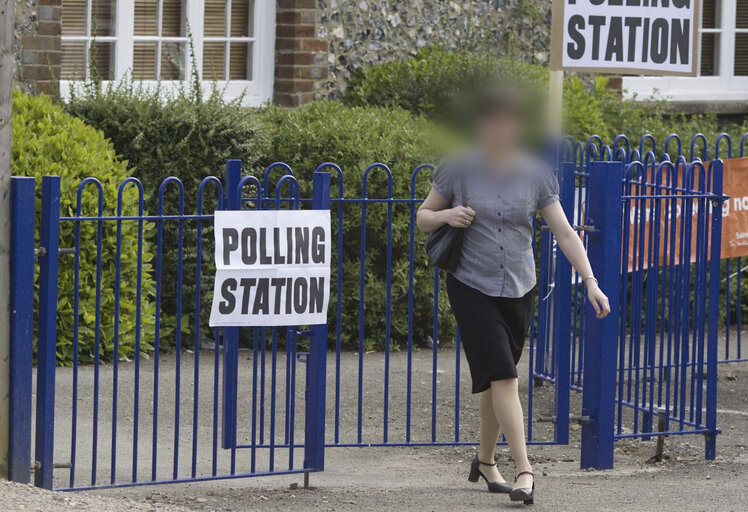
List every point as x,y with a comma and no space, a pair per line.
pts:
627,36
272,268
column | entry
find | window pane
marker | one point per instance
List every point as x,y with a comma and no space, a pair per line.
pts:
144,61
710,14
101,58
172,61
709,54
73,61
214,57
74,18
215,18
146,12
241,18
240,61
741,20
102,13
171,18
741,54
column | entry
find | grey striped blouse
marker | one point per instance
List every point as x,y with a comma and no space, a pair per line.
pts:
497,257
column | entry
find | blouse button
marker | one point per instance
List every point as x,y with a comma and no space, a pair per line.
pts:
501,266
502,247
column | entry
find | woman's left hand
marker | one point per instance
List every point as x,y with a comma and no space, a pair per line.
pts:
598,299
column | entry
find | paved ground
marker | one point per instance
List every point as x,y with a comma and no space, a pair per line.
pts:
381,478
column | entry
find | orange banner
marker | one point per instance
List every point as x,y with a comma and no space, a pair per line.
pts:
735,209
675,230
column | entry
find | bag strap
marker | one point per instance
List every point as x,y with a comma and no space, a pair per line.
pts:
463,187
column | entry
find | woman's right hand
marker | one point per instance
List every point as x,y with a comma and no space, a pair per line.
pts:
459,216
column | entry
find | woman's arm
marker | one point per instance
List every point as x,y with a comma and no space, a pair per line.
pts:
434,212
573,249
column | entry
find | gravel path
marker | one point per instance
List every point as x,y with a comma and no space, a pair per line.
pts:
33,499
426,478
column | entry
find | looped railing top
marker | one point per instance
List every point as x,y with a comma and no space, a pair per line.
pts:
121,192
673,136
366,179
162,191
413,177
705,146
647,138
258,191
201,191
79,196
720,138
338,173
268,170
293,191
621,138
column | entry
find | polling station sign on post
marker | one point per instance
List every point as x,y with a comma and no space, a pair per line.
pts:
657,37
272,268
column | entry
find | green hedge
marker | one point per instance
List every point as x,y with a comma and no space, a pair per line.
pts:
47,141
434,79
593,108
181,134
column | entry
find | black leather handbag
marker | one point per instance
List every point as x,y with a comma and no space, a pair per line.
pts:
444,246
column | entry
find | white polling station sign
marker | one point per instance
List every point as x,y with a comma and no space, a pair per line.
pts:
272,268
656,37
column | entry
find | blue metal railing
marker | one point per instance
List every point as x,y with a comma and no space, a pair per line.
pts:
258,417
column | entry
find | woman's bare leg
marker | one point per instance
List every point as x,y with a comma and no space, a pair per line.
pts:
489,436
508,409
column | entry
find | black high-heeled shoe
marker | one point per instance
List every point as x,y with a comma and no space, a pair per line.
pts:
526,494
476,474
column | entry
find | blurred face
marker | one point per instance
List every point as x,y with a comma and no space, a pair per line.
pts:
499,133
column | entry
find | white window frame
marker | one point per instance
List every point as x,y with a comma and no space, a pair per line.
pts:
722,87
254,92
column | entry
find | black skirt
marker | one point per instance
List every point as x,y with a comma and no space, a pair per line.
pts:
492,331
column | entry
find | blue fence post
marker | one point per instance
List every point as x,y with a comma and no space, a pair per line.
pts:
49,245
543,344
713,320
22,212
231,334
562,313
316,371
604,211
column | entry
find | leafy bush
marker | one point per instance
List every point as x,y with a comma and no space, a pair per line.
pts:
47,141
353,138
435,78
593,108
434,81
182,134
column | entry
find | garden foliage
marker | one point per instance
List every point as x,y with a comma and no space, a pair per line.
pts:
434,78
184,134
47,141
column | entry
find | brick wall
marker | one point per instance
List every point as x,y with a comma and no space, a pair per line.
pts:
300,56
37,45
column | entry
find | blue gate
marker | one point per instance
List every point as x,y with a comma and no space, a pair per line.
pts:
663,373
174,411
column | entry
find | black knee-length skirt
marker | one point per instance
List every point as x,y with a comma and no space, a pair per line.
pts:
492,331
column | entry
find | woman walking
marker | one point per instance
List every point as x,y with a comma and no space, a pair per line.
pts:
492,291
